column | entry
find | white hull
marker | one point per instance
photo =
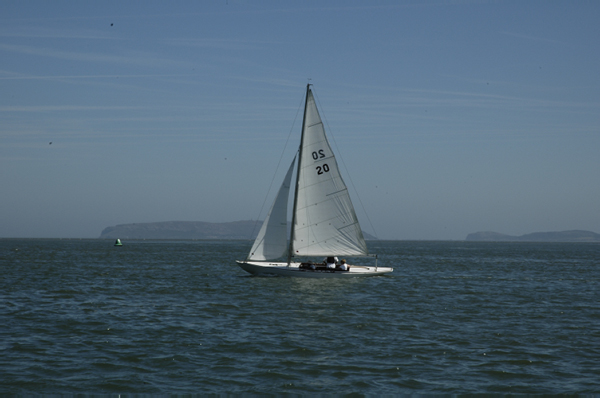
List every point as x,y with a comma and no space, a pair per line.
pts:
282,269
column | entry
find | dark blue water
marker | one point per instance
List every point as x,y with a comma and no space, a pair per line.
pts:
180,317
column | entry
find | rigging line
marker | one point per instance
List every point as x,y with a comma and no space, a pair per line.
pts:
336,192
344,164
277,168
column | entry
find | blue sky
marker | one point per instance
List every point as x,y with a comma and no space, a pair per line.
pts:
450,117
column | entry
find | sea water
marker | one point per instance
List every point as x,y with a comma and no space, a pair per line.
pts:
180,317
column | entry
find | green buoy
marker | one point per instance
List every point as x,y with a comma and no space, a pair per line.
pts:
118,242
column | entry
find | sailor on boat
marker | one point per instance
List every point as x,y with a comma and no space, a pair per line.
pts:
330,262
343,266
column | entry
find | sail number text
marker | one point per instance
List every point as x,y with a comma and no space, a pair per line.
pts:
322,169
320,155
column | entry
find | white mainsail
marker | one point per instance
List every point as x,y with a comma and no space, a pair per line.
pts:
325,223
271,242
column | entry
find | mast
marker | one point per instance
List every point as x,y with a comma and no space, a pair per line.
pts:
291,247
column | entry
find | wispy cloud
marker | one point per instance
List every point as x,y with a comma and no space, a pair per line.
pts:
223,44
532,38
144,59
65,108
41,32
14,76
386,97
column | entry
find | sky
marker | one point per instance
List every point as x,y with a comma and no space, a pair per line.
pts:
447,117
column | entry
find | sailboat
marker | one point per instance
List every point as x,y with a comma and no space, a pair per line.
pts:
324,223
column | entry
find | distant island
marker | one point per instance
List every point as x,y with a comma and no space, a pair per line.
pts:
562,236
187,230
183,230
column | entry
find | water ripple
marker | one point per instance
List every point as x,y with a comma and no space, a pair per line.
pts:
163,317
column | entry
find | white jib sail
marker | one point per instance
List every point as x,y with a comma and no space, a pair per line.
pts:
326,223
271,242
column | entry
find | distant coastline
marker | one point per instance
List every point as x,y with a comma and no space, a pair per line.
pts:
559,236
247,230
188,230
183,230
